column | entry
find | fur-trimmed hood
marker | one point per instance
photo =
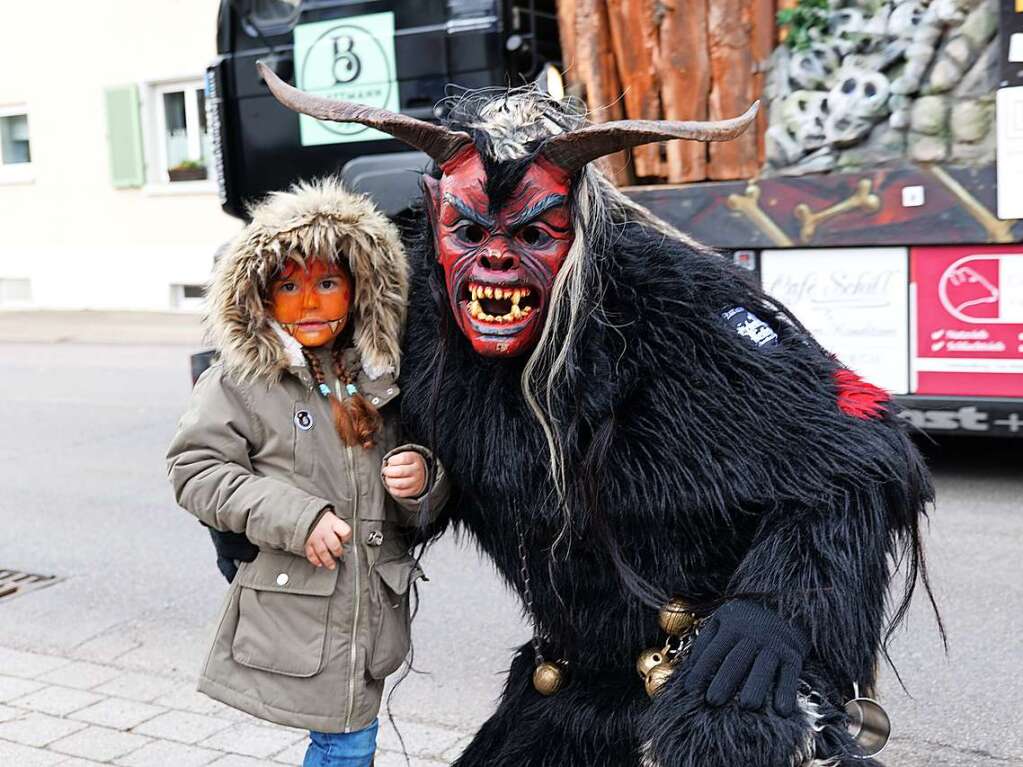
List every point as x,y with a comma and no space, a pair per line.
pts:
318,220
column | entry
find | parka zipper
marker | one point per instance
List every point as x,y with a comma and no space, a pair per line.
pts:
358,589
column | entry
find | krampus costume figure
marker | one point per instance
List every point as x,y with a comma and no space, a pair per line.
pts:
631,421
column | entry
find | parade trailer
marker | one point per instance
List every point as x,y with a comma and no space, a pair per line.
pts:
880,198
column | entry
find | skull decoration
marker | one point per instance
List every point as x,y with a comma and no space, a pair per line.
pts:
848,30
876,27
813,68
500,203
804,114
861,92
857,101
781,148
905,18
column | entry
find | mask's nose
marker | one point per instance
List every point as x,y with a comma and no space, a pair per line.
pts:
498,260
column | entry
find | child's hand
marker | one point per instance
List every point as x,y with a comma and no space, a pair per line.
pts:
324,543
405,474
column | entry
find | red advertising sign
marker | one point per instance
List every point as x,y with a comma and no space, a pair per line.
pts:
968,335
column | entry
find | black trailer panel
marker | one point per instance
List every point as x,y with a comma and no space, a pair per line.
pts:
436,43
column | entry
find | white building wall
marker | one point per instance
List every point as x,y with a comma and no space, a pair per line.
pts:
81,242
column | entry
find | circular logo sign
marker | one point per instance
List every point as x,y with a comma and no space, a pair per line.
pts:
351,60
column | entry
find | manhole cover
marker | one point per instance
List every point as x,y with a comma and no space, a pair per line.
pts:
13,582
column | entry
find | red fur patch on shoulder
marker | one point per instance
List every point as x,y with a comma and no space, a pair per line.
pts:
857,397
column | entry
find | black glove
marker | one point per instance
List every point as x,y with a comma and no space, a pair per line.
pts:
231,547
748,650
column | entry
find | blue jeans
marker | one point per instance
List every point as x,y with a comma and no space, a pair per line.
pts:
342,749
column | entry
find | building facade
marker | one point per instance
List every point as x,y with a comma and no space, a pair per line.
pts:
107,194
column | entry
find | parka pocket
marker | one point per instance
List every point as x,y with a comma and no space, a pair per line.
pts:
391,583
283,611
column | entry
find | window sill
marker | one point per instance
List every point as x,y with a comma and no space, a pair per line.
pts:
178,188
21,173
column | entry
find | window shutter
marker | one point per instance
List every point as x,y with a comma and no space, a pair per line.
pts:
124,135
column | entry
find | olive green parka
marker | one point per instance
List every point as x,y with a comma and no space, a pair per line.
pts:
257,453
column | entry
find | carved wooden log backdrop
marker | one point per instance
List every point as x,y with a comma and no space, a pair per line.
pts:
672,59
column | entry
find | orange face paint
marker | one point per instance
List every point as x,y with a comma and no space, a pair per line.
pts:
312,304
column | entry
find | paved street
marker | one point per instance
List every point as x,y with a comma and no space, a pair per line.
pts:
100,667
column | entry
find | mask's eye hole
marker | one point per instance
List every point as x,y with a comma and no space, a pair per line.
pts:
534,236
473,234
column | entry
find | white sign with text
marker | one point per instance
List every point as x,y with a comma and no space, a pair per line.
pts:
855,301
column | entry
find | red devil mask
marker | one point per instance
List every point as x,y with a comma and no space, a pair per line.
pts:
499,267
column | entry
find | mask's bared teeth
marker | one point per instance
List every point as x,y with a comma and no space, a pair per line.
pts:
516,312
472,292
527,310
488,292
516,297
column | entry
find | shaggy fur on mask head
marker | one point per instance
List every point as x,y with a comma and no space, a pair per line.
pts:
508,123
508,127
312,221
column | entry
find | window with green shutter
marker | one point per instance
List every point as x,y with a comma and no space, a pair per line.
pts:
124,135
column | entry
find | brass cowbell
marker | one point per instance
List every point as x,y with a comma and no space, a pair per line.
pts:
648,659
675,618
657,676
548,678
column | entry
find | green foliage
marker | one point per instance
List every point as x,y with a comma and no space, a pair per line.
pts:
189,165
805,23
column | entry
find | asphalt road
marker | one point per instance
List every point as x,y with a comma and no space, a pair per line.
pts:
84,496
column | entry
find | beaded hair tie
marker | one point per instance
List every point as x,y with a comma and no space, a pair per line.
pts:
339,370
351,388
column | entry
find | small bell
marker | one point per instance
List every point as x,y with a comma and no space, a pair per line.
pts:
648,659
548,678
675,618
657,676
869,724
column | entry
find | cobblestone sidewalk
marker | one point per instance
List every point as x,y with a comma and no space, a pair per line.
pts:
67,712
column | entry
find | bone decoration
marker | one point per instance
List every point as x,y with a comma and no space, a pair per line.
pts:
862,199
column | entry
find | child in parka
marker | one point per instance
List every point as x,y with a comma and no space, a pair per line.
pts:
292,439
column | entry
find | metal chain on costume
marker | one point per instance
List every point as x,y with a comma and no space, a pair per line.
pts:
527,591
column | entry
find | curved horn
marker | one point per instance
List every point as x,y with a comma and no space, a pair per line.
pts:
571,151
437,141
